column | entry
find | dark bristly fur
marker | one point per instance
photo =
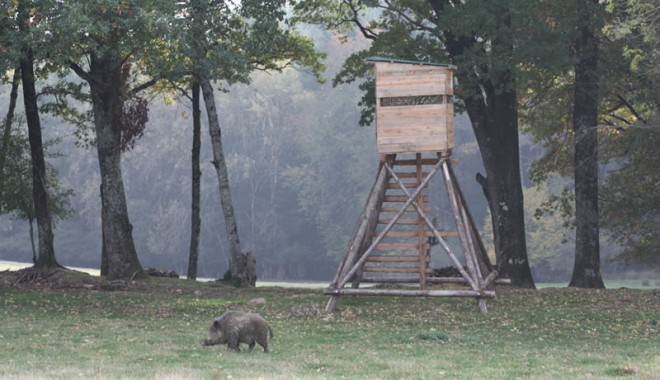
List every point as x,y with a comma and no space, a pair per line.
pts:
236,327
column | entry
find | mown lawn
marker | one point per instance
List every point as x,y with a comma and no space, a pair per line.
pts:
73,328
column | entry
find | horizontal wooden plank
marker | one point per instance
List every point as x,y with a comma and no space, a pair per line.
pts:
416,139
410,175
413,147
398,246
391,280
401,128
412,88
408,185
418,78
412,132
461,280
368,268
402,234
398,78
396,258
409,293
399,221
400,198
408,209
386,66
417,111
413,162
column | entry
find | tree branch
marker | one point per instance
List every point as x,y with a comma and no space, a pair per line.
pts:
80,72
143,86
366,32
398,11
630,108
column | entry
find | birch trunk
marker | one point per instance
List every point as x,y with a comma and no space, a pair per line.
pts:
238,262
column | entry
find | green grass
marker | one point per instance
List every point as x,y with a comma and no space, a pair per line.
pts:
154,331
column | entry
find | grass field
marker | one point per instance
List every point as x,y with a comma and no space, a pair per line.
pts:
68,327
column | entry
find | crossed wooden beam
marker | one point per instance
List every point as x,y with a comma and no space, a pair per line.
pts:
480,287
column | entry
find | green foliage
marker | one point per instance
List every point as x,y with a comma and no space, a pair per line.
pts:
228,41
17,195
628,130
155,329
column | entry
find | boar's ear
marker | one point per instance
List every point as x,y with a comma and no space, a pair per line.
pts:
216,324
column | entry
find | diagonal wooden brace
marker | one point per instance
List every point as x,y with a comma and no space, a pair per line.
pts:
411,199
430,225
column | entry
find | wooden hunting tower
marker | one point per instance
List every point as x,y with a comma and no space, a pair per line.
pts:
414,106
392,240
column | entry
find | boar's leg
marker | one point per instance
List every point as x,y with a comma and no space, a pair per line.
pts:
232,344
251,346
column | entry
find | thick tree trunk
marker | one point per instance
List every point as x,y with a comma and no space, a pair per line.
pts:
586,270
238,263
493,109
496,129
196,221
105,80
9,121
46,257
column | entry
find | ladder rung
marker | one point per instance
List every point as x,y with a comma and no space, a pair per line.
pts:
410,175
400,198
399,246
408,185
391,269
427,233
401,280
396,258
399,221
409,209
402,234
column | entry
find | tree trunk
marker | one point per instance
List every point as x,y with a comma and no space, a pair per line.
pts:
586,269
34,250
105,80
9,121
196,221
496,129
493,110
46,257
237,263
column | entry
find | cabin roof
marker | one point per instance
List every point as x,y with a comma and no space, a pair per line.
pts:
409,62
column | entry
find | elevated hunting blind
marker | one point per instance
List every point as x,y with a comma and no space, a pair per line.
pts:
414,106
392,240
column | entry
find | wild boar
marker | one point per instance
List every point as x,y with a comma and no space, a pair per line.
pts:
235,327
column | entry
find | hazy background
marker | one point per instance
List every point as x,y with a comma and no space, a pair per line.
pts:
300,170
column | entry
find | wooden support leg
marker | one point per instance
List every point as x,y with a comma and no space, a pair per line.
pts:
332,304
379,238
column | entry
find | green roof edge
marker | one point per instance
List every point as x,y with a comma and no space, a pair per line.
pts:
406,61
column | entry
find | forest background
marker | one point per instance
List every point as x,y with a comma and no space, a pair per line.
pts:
300,169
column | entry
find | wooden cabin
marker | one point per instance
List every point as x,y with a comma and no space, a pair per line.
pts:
414,106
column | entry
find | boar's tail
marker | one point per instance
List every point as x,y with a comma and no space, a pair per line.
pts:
271,332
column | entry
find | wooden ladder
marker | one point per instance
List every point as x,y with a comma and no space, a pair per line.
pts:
403,256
